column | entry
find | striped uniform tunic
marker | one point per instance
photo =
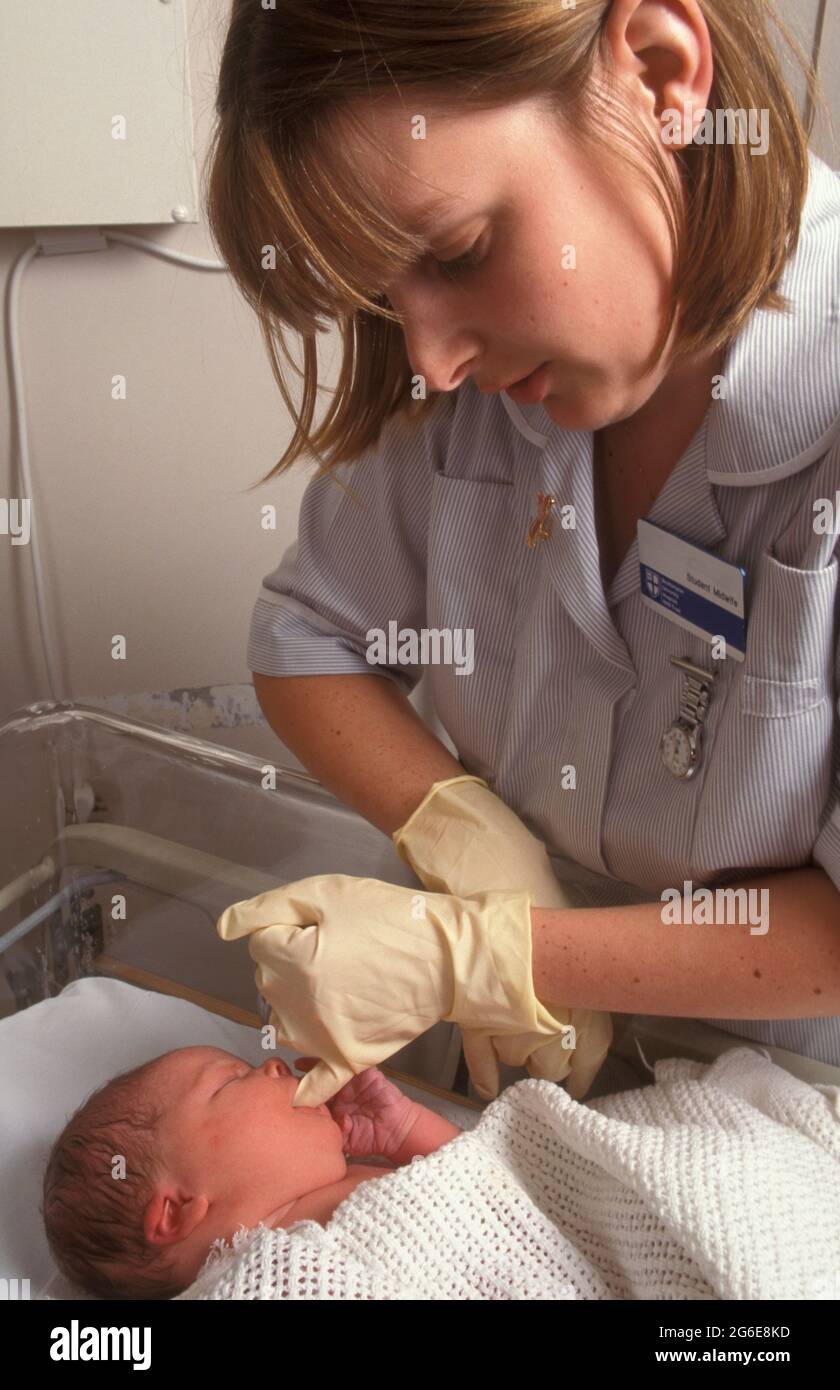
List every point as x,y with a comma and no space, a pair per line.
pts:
567,677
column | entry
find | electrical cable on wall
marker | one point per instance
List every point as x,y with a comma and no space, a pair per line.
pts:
61,242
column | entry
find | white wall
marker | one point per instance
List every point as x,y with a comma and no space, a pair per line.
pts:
146,527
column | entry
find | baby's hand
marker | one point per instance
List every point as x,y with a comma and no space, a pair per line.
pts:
373,1114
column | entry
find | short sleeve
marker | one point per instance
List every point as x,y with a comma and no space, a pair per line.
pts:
359,561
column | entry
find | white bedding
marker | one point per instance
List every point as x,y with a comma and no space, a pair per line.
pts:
717,1182
732,1171
55,1053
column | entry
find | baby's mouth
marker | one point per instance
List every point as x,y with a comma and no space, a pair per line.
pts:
310,1109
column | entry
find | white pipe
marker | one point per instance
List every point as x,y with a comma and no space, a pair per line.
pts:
47,245
164,865
27,882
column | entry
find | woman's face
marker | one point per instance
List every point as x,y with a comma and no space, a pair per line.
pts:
563,260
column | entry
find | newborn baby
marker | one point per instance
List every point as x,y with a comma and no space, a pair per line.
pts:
165,1159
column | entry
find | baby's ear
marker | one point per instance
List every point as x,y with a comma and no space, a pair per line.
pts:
169,1217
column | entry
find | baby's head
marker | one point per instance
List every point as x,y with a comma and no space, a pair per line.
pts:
162,1160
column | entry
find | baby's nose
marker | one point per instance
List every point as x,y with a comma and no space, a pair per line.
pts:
276,1066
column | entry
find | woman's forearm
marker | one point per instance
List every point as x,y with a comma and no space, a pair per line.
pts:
634,960
361,738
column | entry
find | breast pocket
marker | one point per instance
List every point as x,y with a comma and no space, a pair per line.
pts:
472,577
769,748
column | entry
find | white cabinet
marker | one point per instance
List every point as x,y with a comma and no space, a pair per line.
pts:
95,113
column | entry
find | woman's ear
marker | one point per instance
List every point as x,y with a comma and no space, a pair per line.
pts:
661,51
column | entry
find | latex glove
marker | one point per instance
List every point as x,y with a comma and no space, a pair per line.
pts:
355,969
463,839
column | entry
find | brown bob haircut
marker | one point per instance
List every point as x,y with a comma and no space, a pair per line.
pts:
308,243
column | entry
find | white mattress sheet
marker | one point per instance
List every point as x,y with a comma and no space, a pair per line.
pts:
54,1054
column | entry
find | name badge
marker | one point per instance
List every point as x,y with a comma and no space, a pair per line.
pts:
692,587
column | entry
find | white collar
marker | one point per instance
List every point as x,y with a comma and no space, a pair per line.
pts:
782,410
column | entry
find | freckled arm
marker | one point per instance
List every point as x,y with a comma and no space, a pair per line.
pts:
362,739
627,960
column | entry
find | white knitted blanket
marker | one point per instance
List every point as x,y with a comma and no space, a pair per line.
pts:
717,1182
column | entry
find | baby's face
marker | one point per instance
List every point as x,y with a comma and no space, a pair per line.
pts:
235,1150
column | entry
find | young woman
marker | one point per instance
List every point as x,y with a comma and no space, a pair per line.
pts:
586,275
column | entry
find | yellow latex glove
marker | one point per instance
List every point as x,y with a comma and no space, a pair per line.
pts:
463,839
355,969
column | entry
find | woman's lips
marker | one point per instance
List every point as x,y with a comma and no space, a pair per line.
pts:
532,389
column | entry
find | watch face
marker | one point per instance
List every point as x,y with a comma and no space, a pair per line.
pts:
679,750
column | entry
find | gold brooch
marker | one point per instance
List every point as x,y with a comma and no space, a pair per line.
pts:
540,528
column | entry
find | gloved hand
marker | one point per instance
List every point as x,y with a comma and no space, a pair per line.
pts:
463,839
355,969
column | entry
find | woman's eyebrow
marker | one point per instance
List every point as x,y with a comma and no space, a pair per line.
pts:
435,215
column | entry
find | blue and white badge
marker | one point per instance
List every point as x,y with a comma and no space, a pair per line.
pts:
693,587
